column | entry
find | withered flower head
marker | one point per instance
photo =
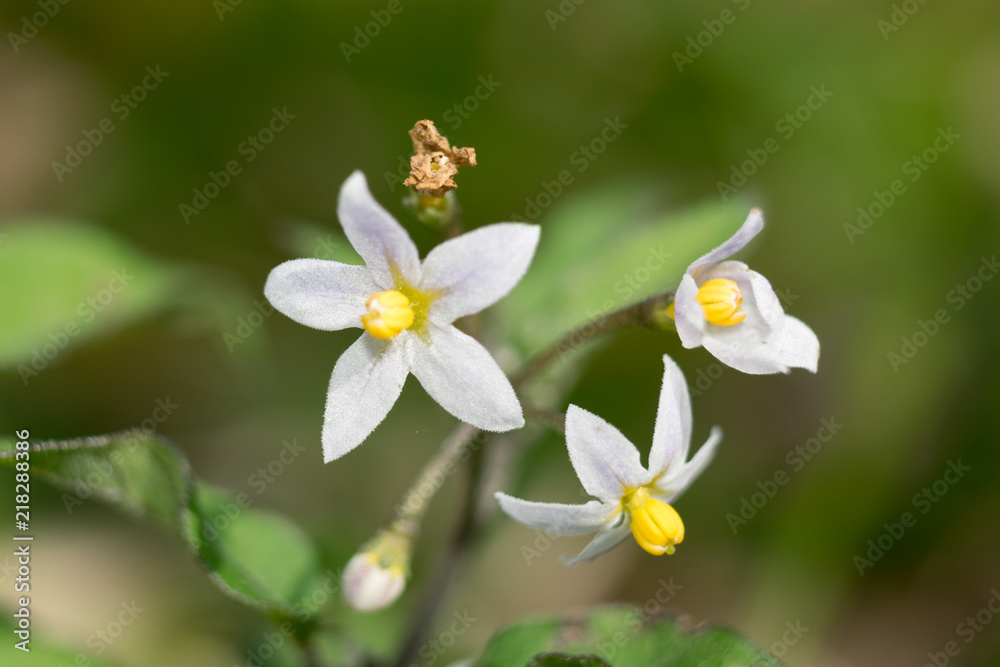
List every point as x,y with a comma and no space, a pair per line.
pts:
435,163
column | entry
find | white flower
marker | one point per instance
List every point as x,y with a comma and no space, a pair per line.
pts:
630,497
734,313
407,309
369,585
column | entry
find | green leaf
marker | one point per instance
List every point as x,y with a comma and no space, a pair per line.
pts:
600,252
256,557
68,282
622,636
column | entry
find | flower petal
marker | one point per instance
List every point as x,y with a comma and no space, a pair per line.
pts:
750,228
672,433
760,351
365,384
679,477
557,518
604,460
320,294
379,239
464,379
477,269
765,301
609,537
688,314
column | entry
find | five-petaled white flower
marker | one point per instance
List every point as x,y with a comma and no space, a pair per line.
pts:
630,497
407,309
734,313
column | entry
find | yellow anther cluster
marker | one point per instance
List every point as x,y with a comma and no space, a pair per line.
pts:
656,526
721,299
388,314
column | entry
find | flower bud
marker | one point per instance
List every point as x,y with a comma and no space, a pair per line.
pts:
369,585
376,575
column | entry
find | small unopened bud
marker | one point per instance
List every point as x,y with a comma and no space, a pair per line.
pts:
369,585
376,576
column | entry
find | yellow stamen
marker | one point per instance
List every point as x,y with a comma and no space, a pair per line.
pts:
388,314
656,526
721,299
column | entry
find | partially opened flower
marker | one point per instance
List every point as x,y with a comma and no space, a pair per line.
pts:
734,313
406,309
630,497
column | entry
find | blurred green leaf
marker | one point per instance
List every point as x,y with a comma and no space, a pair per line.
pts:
256,557
599,252
73,283
622,636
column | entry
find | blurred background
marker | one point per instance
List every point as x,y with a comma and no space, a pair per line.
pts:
866,131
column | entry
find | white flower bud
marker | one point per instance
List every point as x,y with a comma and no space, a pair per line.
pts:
369,584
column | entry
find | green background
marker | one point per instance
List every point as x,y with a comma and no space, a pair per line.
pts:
558,83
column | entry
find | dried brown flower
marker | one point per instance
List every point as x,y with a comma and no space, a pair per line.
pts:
435,163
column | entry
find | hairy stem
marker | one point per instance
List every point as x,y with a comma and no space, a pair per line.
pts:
638,314
411,509
452,563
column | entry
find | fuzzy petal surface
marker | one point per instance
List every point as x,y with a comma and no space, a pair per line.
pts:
477,269
750,228
608,538
365,384
688,314
319,293
672,433
558,518
604,460
680,476
379,239
758,351
459,373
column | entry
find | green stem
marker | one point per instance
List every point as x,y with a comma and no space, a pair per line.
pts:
412,508
642,313
452,563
